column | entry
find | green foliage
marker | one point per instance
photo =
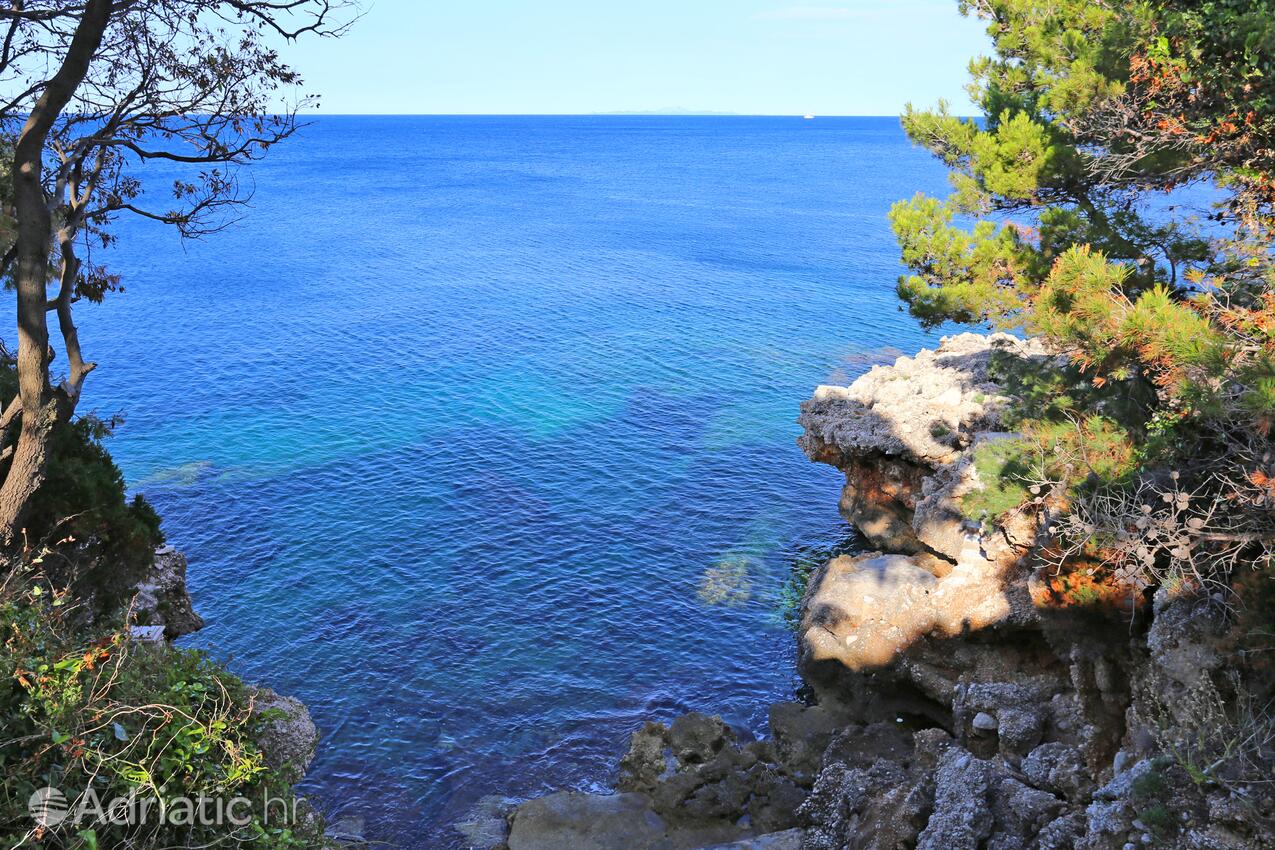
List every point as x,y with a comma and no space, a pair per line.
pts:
102,542
99,714
1090,110
1062,224
1003,468
1069,455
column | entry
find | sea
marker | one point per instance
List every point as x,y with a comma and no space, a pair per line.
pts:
479,432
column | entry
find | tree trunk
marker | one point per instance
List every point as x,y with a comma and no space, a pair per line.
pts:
41,409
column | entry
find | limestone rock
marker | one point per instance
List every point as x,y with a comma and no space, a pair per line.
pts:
800,734
1059,769
162,598
787,840
921,409
696,738
863,611
645,762
962,817
486,826
289,737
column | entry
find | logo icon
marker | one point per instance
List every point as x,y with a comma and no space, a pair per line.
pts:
48,807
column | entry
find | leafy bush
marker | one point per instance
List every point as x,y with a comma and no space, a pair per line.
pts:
102,718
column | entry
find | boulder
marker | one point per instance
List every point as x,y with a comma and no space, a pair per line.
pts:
645,762
787,840
288,737
696,738
570,820
864,611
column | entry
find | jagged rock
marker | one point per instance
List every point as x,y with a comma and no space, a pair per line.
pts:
874,808
1059,769
800,735
921,409
695,738
1111,814
1020,813
1063,833
162,598
962,817
645,762
288,736
775,800
1185,637
896,425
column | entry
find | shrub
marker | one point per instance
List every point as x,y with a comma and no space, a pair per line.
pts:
101,718
100,542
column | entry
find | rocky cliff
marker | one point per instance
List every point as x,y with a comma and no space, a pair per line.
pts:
962,702
1034,722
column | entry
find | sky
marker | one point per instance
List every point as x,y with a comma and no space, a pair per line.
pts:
845,57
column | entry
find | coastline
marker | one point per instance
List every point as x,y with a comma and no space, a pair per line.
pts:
961,697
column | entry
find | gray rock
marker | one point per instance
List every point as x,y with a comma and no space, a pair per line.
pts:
800,735
962,817
645,762
875,808
787,840
486,826
1063,833
696,738
162,598
916,409
1020,812
1059,769
288,738
347,831
1020,729
570,820
985,722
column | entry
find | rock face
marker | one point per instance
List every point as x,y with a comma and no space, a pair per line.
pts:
1035,717
896,425
162,598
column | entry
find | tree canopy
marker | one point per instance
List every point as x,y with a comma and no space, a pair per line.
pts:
91,93
1117,199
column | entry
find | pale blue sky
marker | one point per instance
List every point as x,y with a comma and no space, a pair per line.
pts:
843,57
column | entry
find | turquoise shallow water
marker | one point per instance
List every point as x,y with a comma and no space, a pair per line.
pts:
478,432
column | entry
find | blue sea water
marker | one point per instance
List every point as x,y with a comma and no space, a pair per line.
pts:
479,432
